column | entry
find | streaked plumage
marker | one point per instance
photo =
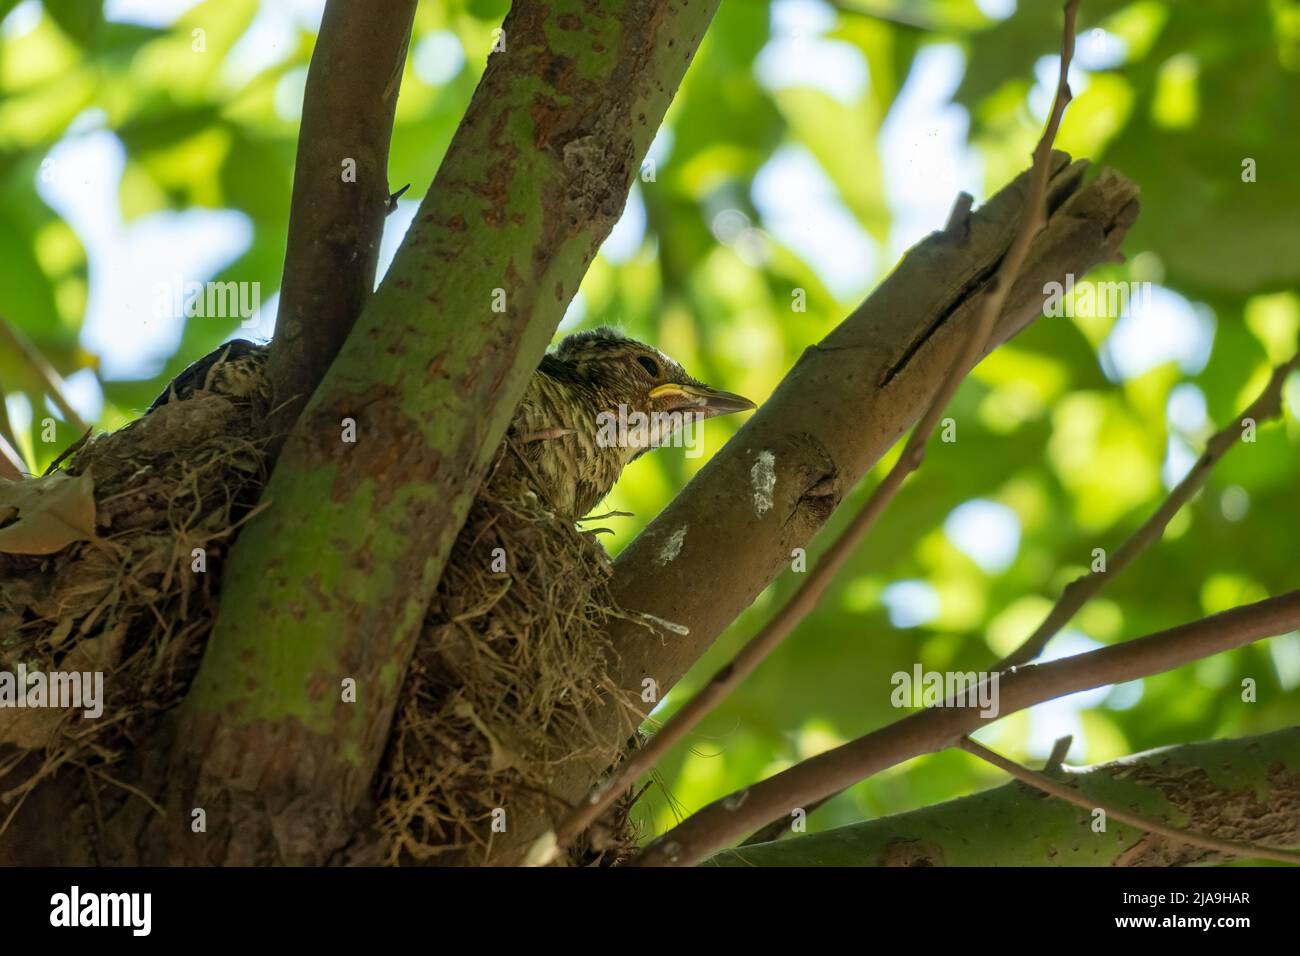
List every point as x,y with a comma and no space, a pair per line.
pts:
558,425
235,369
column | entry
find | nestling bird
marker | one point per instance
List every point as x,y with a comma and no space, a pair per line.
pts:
599,401
596,403
234,369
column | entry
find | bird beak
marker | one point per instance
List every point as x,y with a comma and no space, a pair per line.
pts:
708,402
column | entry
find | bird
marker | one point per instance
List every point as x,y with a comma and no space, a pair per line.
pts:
598,401
234,369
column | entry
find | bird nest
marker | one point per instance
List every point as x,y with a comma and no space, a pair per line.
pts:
510,666
498,700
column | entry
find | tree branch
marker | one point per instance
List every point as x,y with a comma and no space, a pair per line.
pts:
333,579
887,359
809,594
730,818
340,193
1041,782
44,373
1245,790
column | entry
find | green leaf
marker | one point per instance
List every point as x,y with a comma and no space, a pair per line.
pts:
82,20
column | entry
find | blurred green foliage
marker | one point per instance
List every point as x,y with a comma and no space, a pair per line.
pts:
1075,451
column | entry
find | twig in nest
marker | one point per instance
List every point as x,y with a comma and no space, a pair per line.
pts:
544,434
68,452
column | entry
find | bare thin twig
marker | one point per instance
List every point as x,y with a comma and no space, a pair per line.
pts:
1059,790
810,592
888,13
1056,758
1082,590
49,378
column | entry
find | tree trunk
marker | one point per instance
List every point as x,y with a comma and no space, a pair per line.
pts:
330,583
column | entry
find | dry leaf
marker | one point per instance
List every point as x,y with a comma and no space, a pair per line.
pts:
46,514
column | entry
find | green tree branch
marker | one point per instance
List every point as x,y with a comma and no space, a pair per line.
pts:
331,582
888,359
340,193
1240,790
935,728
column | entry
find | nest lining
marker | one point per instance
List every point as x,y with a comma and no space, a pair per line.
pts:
511,661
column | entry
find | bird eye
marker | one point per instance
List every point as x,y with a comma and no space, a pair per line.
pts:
649,364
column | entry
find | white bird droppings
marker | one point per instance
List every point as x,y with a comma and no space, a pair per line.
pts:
763,476
672,547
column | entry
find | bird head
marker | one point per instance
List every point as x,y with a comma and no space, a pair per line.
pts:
628,383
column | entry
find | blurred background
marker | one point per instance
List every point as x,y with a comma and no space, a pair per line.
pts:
811,144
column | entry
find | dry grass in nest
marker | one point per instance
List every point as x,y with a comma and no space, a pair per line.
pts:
498,698
129,604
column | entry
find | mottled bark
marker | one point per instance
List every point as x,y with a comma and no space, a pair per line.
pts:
1247,790
331,582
